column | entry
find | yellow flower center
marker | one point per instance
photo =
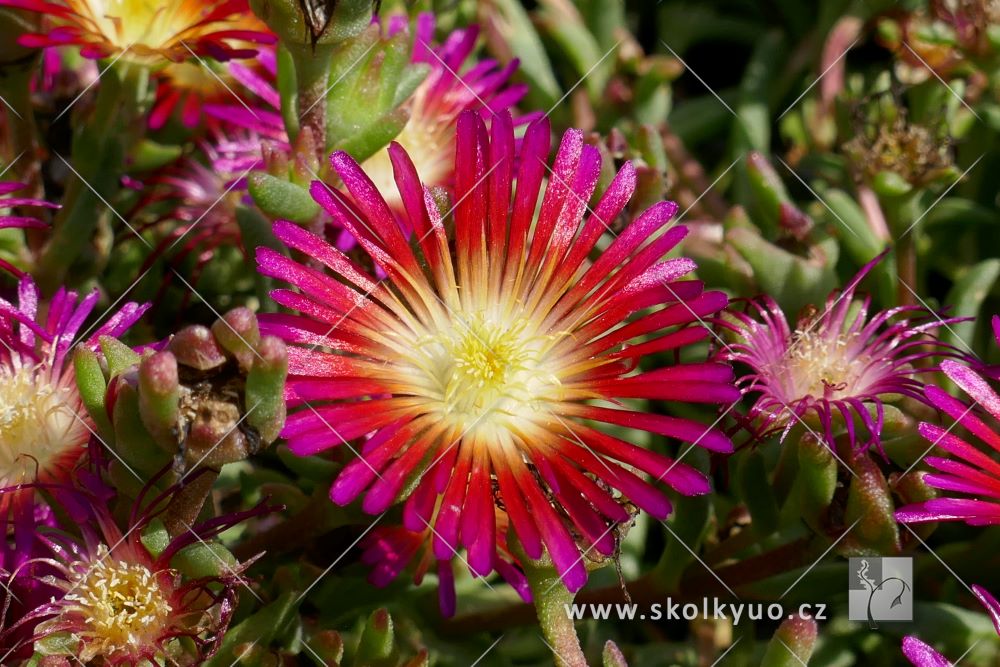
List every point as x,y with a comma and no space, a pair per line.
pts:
485,357
38,424
821,365
483,371
126,22
122,605
149,30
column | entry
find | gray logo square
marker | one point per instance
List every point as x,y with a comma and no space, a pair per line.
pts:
880,589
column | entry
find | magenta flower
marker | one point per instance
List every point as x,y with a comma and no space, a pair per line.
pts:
114,594
473,381
150,33
44,427
838,367
970,471
428,136
922,655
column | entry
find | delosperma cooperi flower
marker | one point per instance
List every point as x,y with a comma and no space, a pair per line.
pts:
43,425
474,381
115,595
837,368
147,32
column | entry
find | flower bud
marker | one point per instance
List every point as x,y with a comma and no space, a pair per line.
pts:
159,393
195,346
377,638
238,333
870,507
612,656
265,387
792,644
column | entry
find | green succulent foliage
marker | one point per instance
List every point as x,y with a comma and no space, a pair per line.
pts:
370,79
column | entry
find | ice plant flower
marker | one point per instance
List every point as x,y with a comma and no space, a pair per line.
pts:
148,32
475,382
115,596
43,425
969,471
921,655
428,136
837,366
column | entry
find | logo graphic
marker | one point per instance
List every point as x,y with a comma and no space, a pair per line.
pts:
880,589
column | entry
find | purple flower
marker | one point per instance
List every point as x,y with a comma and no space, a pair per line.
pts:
478,372
835,368
43,425
114,594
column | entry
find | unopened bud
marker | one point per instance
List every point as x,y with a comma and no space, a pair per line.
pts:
792,644
159,392
195,346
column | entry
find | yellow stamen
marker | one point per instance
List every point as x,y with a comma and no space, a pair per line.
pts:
122,606
821,365
483,372
38,423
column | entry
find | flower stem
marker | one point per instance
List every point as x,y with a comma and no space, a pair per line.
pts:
899,212
551,601
312,76
102,147
906,254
